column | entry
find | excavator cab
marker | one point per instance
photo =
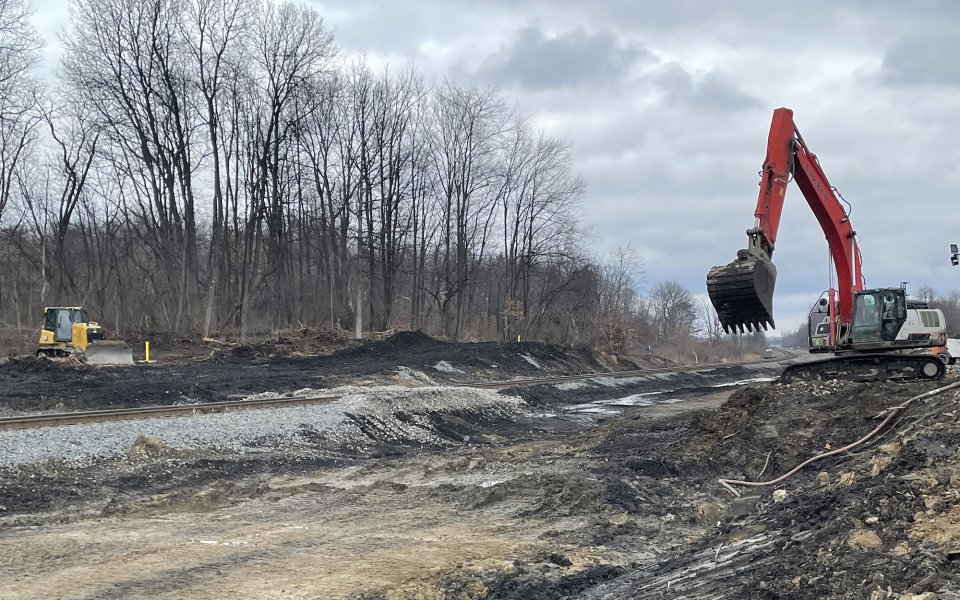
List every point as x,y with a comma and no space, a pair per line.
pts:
742,291
878,315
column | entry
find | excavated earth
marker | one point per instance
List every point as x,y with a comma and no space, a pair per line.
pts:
419,489
30,385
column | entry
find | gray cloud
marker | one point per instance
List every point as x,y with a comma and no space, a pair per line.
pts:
667,106
537,61
711,91
923,58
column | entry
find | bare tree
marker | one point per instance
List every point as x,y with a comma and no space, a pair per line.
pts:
228,173
211,30
292,51
125,58
707,322
672,309
468,124
19,92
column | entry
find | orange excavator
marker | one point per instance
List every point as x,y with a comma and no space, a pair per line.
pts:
870,331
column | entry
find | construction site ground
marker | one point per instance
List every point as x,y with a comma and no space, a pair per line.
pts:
415,487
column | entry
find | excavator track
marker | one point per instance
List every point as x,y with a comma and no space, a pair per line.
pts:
873,367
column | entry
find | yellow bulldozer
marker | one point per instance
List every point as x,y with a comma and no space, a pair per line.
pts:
68,332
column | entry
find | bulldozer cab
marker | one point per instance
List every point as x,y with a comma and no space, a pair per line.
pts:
60,320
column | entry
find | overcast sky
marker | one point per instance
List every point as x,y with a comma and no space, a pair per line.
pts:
667,106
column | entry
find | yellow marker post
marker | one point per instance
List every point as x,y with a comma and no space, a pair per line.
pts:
146,352
518,338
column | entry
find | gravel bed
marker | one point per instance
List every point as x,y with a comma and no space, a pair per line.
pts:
247,430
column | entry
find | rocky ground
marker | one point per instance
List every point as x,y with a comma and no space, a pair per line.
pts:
596,489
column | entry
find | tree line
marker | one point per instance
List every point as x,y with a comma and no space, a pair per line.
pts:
217,167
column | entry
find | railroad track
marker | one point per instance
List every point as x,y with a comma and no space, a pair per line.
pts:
146,412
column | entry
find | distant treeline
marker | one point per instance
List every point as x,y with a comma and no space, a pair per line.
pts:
216,167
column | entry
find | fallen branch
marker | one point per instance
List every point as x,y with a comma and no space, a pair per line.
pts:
766,463
894,411
208,340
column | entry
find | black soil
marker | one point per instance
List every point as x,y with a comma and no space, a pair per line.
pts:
853,526
663,473
28,384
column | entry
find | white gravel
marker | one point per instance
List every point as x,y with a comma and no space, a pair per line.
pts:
238,430
569,386
532,361
445,367
408,375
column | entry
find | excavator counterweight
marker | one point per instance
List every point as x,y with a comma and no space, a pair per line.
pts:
742,291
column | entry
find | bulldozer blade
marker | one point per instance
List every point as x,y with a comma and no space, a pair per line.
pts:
109,354
742,292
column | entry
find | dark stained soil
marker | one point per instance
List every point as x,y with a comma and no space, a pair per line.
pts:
879,522
882,521
28,384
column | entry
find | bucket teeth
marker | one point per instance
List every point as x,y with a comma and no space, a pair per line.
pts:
742,292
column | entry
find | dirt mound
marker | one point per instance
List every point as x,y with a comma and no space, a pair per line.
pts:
29,365
395,346
877,519
292,360
293,342
761,428
147,446
409,339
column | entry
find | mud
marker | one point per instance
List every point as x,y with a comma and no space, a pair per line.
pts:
547,504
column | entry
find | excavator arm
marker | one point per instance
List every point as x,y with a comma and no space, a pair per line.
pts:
742,291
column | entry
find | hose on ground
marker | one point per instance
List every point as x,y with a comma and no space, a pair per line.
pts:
896,410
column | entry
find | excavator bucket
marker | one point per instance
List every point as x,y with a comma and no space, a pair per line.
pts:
742,292
108,353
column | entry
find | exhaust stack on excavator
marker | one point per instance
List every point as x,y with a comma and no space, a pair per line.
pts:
742,291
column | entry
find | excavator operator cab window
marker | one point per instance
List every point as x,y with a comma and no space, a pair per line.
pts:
866,318
893,313
878,315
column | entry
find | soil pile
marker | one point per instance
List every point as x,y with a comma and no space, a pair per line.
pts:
878,523
480,360
295,359
293,343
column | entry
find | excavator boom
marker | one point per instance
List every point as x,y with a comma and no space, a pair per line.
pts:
742,291
871,332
